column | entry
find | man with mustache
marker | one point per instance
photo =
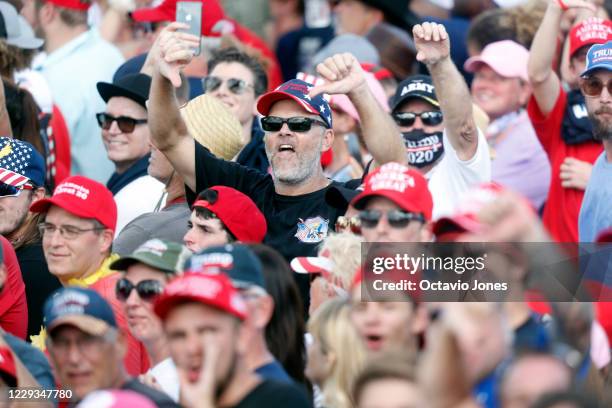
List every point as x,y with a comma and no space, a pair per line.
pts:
596,85
298,128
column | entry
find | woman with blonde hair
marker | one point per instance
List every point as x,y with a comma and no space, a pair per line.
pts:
335,355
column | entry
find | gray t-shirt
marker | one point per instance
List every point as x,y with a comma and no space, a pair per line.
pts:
169,224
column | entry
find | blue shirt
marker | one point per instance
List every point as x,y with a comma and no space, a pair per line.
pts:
72,72
596,210
274,371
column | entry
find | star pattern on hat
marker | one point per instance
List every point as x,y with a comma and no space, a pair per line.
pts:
15,157
325,112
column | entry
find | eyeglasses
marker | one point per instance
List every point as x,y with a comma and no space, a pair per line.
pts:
235,85
348,224
431,118
68,232
395,218
147,289
7,190
592,86
125,123
295,124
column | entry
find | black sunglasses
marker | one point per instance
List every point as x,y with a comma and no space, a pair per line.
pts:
125,123
592,86
295,124
395,218
235,85
146,289
6,190
431,118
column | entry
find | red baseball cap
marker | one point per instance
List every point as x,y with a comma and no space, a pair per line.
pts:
213,290
465,217
84,198
314,264
238,213
212,12
406,187
591,31
72,4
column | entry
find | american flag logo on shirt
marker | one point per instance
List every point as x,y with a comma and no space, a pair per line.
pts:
14,160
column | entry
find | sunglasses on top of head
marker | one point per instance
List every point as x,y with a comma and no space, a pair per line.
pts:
147,289
6,190
125,123
235,85
295,124
430,118
593,86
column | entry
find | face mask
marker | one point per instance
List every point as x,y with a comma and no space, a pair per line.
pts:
423,148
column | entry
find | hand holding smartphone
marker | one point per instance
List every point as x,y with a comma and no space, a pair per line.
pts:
190,13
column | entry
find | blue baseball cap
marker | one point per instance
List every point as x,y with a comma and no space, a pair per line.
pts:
79,307
297,90
235,260
20,163
599,56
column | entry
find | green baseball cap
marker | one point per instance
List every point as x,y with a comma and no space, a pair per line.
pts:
156,253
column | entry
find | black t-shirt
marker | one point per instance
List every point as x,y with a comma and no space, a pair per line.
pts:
271,393
296,224
157,397
39,283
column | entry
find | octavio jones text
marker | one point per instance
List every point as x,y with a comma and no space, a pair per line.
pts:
411,265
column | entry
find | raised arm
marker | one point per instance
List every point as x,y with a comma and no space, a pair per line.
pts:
544,80
433,49
171,52
344,75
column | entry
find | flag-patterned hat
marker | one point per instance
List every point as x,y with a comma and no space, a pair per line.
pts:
20,163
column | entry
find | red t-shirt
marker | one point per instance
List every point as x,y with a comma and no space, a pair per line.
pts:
563,205
136,360
13,304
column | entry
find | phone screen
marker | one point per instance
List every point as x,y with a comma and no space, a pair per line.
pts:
190,13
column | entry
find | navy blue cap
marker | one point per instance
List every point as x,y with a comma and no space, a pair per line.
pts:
297,90
599,56
79,307
20,163
415,86
235,260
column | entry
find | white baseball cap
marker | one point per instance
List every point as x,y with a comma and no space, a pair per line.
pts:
15,30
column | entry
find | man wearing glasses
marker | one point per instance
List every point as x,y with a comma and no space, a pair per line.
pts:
86,346
596,85
395,206
298,128
22,178
145,273
237,80
436,119
126,139
77,235
559,116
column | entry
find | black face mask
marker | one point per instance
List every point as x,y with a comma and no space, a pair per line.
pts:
423,149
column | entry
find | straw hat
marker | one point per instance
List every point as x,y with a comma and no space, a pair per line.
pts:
212,125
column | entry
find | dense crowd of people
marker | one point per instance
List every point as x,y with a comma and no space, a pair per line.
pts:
195,218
